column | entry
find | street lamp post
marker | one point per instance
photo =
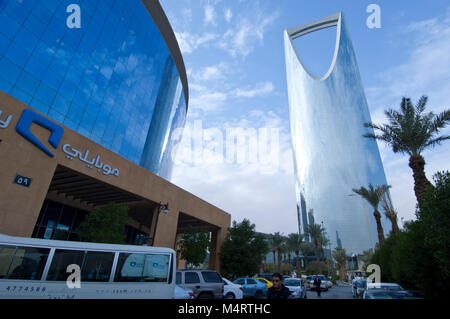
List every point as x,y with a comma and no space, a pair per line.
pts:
165,209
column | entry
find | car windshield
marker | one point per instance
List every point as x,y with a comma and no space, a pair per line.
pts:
387,288
361,284
322,277
292,283
386,294
262,280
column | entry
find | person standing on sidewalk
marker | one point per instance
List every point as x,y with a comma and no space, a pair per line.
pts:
317,283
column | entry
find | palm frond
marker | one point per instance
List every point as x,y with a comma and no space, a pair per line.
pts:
410,130
420,106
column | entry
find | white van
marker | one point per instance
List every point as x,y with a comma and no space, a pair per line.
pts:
38,268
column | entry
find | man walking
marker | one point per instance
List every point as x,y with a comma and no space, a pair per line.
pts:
278,290
317,283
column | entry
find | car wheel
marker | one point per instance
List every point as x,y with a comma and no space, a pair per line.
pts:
205,296
259,294
230,295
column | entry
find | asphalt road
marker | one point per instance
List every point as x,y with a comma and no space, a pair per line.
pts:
336,292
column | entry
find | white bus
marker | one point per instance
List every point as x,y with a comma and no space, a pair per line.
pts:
37,268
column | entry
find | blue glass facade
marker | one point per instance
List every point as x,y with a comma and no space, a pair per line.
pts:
331,157
113,80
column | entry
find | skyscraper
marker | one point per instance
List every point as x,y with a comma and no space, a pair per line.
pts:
118,80
331,157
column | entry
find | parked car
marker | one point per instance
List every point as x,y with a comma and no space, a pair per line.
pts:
308,281
387,294
232,290
384,286
415,294
182,293
328,283
297,287
267,276
252,288
359,285
323,286
206,284
265,281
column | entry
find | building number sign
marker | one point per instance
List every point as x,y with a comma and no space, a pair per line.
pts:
22,180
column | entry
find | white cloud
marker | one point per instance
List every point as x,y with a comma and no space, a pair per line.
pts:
241,39
228,15
268,200
206,100
189,42
259,90
210,73
210,15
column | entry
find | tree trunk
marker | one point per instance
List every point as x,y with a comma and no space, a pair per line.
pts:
299,266
377,215
323,254
393,219
341,272
316,248
421,183
305,257
279,260
274,261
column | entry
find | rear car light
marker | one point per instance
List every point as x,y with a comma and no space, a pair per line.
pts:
240,287
222,288
191,295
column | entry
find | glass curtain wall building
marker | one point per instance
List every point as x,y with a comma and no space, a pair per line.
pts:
331,156
119,80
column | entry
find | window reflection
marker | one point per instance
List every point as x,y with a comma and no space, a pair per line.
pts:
97,80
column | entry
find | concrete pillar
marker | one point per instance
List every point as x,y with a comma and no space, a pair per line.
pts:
217,238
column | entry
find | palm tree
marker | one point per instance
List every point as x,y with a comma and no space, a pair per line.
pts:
273,247
323,242
390,212
411,131
340,256
373,196
276,242
306,249
315,231
366,257
284,251
293,243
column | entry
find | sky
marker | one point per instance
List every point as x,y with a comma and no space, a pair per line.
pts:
234,57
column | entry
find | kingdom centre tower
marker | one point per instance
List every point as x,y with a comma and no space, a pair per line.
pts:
331,156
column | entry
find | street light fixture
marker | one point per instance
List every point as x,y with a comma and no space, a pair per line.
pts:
165,209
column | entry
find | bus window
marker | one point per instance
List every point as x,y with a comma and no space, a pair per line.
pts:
142,267
62,259
95,266
18,262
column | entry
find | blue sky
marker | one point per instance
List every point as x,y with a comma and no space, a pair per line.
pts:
234,56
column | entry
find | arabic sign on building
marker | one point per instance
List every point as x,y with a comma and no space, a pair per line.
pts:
103,168
56,132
